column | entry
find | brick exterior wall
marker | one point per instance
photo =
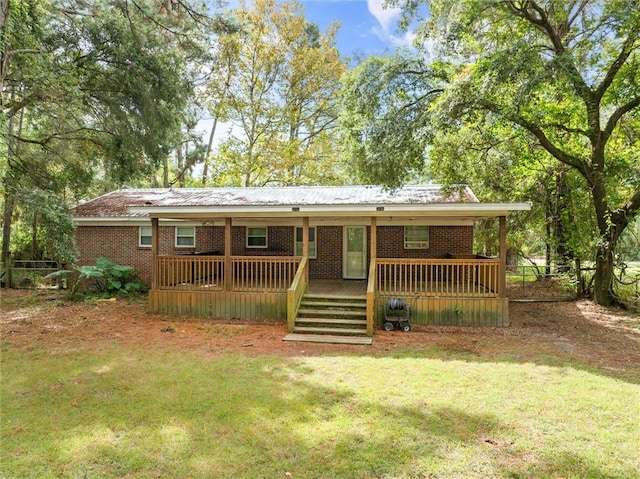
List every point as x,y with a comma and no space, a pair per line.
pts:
328,264
442,240
120,243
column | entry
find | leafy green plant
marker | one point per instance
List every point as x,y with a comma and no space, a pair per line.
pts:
105,277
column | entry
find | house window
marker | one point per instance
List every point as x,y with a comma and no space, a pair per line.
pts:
416,237
185,236
312,241
144,236
256,237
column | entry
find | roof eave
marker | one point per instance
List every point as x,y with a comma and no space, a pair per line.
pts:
435,209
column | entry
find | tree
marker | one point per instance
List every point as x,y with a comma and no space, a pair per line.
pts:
384,119
90,89
280,93
566,74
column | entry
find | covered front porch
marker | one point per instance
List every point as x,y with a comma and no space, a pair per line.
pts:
456,291
282,253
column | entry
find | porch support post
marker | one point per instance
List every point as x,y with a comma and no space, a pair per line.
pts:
372,280
305,245
503,257
374,240
227,255
155,241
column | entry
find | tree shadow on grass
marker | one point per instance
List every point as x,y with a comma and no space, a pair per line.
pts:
125,414
563,465
579,335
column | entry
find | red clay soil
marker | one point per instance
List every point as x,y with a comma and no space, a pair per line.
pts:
608,340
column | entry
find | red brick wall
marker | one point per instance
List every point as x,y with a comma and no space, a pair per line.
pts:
328,264
120,243
442,240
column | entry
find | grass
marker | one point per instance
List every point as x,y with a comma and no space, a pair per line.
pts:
127,413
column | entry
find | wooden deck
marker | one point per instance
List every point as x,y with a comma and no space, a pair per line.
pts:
338,287
440,292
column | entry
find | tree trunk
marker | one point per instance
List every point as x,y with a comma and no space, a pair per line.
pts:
579,279
205,169
181,167
4,35
9,205
165,172
565,250
548,232
603,277
34,237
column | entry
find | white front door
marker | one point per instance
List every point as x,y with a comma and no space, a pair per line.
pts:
355,252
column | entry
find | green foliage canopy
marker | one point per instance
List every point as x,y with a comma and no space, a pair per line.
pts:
90,91
563,76
385,117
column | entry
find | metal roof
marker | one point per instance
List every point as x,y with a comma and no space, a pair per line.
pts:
289,202
115,204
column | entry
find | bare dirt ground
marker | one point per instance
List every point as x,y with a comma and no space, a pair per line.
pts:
608,340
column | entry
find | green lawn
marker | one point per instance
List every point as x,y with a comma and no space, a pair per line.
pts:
123,413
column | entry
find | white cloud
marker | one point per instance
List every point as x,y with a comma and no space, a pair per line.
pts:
387,17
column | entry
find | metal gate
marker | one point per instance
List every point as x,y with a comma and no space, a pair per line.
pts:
31,273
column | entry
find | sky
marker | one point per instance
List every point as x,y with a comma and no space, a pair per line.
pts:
366,27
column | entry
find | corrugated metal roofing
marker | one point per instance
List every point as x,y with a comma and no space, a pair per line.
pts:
115,204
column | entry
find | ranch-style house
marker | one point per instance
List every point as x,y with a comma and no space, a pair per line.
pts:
324,259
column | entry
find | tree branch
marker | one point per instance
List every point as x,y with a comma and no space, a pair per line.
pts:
15,107
625,215
540,135
562,127
419,99
543,24
617,114
627,48
22,51
579,10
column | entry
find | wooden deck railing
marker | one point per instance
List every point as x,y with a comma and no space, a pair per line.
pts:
438,277
371,297
190,273
263,273
248,273
295,293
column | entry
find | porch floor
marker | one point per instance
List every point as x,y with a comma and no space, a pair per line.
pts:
354,287
338,287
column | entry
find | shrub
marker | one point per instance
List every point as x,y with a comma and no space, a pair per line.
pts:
106,277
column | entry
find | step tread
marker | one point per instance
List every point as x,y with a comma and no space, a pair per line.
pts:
333,304
326,338
337,331
331,321
329,297
331,312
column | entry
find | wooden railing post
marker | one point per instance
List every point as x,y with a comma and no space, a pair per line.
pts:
155,241
373,248
502,280
228,272
371,297
305,244
295,293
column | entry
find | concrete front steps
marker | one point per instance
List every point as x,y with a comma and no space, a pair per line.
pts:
331,319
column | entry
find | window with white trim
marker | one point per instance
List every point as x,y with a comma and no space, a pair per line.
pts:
416,237
312,241
256,237
144,236
185,236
